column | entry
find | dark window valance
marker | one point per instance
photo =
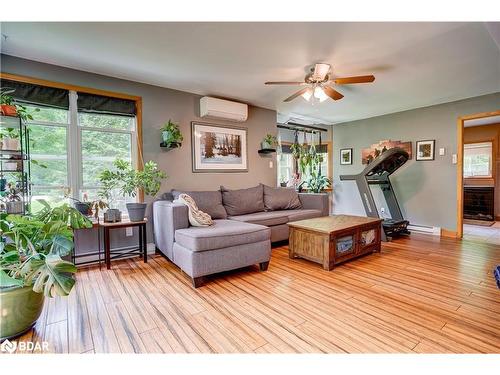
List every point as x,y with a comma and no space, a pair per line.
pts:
105,105
322,149
38,95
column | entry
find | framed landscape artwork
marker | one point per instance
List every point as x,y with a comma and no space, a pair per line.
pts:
346,156
369,154
425,150
219,148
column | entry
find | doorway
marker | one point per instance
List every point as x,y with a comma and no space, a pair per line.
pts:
478,177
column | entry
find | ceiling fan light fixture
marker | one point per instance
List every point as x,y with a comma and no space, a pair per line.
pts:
320,94
307,95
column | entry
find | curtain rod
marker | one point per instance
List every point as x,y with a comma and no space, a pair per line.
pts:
301,127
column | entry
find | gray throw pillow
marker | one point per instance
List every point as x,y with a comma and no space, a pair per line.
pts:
281,198
207,201
243,201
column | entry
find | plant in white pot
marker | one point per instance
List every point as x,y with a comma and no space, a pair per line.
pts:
130,180
9,139
31,264
269,142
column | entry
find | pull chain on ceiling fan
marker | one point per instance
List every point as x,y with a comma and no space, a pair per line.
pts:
319,84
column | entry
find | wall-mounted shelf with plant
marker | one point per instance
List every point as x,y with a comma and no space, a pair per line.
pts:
171,136
268,144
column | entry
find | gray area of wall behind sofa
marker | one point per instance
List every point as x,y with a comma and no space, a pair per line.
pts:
158,105
426,190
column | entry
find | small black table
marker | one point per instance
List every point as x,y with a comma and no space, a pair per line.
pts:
108,253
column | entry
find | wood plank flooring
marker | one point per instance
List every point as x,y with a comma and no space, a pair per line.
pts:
419,295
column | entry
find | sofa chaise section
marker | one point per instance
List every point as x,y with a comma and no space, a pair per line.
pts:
202,251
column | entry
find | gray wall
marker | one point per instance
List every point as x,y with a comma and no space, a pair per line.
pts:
426,190
159,105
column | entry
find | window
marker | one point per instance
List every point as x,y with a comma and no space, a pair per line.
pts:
478,160
73,147
286,164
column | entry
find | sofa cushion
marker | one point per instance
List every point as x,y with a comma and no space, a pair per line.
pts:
207,201
243,201
268,219
224,233
281,198
296,215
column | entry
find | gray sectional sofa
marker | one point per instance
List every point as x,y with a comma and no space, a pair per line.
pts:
246,221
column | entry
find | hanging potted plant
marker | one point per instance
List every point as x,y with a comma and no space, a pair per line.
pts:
31,264
130,180
269,142
171,135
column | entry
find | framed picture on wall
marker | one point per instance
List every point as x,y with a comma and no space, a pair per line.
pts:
345,156
218,148
425,150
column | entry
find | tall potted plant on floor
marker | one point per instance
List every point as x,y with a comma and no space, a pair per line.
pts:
130,180
32,266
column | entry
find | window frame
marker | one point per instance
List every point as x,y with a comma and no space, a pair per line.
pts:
73,141
329,166
492,161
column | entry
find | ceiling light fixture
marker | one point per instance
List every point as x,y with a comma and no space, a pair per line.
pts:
307,95
319,93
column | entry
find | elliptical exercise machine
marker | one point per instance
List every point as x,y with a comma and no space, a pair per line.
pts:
377,173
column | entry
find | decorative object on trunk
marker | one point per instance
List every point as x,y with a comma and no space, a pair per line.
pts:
368,154
219,148
425,150
345,156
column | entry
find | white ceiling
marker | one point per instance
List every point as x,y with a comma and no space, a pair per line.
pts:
482,121
415,64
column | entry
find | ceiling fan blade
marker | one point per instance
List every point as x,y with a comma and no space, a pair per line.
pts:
334,94
285,83
298,93
357,79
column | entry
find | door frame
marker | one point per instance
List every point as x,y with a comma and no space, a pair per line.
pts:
460,165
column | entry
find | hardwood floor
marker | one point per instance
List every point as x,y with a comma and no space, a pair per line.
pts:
422,295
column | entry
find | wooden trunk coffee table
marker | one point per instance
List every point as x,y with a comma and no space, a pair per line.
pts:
331,240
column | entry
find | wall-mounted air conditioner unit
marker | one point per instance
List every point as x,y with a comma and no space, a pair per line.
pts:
224,109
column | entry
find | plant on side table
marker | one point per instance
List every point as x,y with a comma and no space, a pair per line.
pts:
31,264
171,135
130,181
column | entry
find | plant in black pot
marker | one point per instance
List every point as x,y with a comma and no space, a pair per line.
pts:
171,135
130,180
31,263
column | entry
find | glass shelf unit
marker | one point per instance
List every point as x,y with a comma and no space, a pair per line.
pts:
15,166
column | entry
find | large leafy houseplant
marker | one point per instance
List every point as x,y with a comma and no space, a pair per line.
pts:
32,267
129,181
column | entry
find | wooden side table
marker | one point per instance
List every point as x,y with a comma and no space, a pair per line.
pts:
142,250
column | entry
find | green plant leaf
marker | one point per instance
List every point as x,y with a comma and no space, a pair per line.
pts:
6,281
55,277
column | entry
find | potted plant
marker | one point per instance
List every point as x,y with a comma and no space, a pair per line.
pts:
9,139
269,142
171,135
130,180
86,207
316,183
109,181
31,264
13,201
7,106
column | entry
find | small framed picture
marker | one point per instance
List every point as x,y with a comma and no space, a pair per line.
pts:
425,150
346,156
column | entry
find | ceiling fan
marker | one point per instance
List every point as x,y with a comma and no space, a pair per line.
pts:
319,84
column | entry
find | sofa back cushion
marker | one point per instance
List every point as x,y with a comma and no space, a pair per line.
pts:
243,201
207,201
281,199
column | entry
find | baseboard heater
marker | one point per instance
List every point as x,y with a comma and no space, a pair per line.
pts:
425,229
